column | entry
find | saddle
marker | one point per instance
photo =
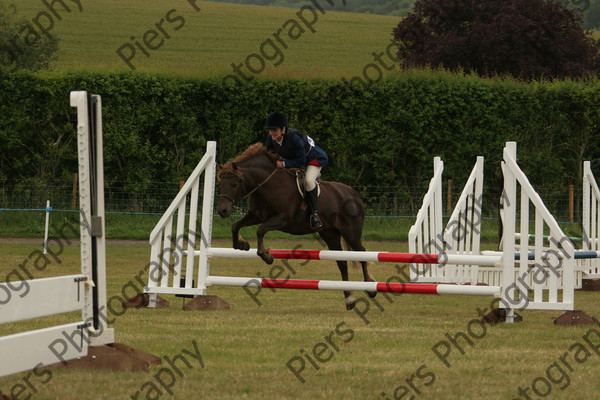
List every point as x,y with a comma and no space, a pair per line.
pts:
300,182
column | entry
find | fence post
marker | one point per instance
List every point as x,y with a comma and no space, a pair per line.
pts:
48,209
449,198
571,202
75,180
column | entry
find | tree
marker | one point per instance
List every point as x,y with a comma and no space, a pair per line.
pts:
21,46
525,38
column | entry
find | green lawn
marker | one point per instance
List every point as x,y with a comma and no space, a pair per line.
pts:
31,224
246,350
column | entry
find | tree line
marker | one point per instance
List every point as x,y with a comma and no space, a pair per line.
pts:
382,134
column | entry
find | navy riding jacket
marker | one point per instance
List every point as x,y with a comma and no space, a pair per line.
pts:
298,150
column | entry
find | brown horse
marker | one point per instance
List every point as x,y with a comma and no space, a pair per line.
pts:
275,203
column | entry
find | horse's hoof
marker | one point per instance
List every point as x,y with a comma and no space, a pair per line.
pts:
350,305
242,245
267,257
372,294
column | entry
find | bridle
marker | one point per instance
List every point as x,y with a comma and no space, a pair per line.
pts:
252,191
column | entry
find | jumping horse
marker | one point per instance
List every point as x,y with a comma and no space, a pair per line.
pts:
275,202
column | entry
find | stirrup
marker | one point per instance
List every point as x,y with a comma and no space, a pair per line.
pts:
315,221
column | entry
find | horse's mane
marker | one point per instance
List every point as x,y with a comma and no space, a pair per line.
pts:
253,150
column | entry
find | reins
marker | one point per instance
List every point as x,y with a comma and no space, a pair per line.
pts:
253,190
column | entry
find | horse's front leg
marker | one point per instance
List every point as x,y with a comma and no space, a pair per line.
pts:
274,223
248,219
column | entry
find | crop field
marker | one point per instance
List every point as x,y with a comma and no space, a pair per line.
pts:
201,38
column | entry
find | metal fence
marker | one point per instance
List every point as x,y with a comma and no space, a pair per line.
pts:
155,197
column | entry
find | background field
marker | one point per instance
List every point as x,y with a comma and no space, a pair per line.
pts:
213,38
245,349
138,226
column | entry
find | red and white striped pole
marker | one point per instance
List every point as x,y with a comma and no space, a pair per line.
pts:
368,256
391,287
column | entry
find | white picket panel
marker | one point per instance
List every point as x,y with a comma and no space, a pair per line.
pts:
425,236
169,261
590,222
462,234
537,287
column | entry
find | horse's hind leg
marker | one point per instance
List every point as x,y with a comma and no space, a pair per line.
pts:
355,244
368,277
332,239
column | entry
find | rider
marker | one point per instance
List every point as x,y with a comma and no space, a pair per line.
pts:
297,150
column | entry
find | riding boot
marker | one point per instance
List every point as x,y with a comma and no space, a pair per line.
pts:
312,200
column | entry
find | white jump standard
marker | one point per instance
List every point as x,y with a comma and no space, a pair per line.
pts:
515,281
87,342
85,291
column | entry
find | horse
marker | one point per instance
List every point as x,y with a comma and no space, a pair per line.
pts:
275,202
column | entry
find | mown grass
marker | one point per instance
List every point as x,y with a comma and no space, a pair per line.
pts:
211,39
245,350
31,224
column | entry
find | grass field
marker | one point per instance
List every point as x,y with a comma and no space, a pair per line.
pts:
245,351
206,42
31,224
387,353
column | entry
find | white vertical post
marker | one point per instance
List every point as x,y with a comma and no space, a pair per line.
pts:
478,207
178,252
192,233
48,209
501,209
154,268
508,233
207,215
523,263
80,100
166,253
587,231
92,230
438,210
107,335
476,225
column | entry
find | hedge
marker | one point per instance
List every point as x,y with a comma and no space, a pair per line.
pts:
381,134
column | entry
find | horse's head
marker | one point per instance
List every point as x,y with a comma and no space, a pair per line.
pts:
230,188
233,182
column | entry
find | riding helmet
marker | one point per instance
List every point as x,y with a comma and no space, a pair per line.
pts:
276,120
